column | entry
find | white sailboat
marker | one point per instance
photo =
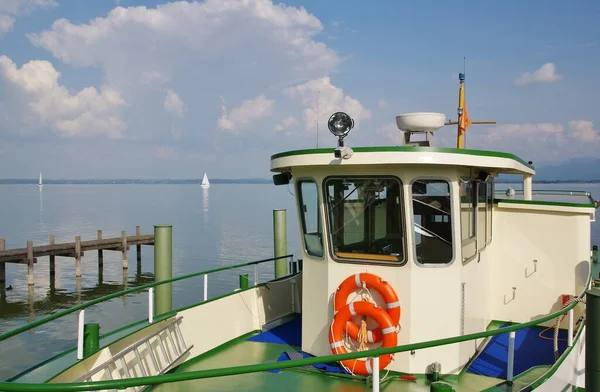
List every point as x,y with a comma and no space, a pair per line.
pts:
40,185
205,183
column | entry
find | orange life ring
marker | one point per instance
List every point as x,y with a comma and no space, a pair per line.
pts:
336,333
390,297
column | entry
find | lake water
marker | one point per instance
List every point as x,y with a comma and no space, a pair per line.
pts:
225,225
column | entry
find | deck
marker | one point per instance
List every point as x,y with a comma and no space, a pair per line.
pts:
247,352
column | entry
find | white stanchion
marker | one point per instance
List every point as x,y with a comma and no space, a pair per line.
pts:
81,323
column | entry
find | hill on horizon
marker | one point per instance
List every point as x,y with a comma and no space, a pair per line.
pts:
575,169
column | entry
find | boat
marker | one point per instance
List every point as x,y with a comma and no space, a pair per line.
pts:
205,183
415,274
40,184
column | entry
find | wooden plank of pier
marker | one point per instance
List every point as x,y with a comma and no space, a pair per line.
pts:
67,249
76,249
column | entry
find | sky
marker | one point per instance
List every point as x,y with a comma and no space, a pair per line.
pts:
149,89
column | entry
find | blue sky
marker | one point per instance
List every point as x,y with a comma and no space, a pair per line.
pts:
148,89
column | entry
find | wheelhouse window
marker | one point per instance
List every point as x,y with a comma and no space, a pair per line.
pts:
365,219
432,221
310,217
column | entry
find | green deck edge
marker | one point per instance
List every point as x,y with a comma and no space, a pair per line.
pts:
557,364
546,203
446,150
157,319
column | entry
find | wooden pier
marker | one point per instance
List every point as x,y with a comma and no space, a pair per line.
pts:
75,249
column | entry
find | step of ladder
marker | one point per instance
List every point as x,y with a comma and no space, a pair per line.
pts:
152,355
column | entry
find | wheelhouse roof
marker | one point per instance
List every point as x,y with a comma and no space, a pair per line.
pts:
495,161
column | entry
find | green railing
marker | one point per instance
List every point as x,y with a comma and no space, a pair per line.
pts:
236,370
151,317
118,294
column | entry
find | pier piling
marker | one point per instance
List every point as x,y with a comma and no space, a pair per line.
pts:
52,258
163,259
76,249
280,242
77,256
124,248
138,248
2,268
30,261
592,340
100,253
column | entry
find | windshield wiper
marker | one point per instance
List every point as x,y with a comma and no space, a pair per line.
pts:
431,233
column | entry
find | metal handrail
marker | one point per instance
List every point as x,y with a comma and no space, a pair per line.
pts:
87,304
553,192
236,370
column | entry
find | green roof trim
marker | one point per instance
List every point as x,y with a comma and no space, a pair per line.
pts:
546,203
446,150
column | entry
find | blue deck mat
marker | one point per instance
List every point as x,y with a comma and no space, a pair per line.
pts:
289,333
530,350
295,355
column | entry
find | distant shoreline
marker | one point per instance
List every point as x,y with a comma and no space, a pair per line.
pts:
218,181
135,181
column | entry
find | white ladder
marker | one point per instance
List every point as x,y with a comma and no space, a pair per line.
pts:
142,358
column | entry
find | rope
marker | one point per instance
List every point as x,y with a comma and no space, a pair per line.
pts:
558,321
362,335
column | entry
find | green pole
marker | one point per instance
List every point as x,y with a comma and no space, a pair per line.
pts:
280,242
592,340
91,339
244,281
163,257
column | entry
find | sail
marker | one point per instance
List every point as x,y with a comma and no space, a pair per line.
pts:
205,182
40,181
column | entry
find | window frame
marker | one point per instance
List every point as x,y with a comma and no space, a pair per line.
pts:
482,185
412,222
474,191
301,215
401,219
490,223
474,219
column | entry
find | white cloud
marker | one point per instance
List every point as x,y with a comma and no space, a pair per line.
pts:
321,99
540,142
244,42
173,104
150,78
10,9
545,74
248,111
539,130
382,103
391,133
286,123
42,102
584,131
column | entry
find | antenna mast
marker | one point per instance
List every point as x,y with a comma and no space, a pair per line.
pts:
462,111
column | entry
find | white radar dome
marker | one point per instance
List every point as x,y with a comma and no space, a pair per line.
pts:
420,122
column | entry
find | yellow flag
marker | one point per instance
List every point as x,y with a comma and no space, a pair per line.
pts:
465,121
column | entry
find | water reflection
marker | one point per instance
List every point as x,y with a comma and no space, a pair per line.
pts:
205,205
56,299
